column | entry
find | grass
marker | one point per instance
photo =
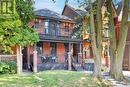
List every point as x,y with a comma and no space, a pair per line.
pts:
49,79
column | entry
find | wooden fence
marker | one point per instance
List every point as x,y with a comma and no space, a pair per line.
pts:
7,57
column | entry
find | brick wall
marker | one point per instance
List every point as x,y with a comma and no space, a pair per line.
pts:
126,58
62,26
41,26
46,48
128,35
86,47
60,52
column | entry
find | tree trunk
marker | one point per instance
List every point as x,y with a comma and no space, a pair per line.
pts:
118,49
96,54
116,68
118,56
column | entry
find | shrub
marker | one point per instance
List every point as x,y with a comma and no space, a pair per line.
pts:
8,67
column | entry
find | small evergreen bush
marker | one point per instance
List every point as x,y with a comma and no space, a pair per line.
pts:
8,67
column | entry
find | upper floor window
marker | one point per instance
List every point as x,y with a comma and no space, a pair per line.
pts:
36,25
46,24
66,28
46,27
55,27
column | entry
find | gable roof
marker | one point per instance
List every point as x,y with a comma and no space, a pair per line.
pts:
119,9
50,14
77,11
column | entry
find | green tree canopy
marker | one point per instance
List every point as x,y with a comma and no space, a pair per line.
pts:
14,29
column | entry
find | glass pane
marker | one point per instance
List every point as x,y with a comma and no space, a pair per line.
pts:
36,25
46,24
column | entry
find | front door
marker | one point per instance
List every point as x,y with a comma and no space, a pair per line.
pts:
75,52
24,52
53,52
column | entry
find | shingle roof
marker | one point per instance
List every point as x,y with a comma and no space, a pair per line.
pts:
78,11
51,14
81,12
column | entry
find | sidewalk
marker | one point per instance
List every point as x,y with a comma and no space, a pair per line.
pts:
117,83
127,74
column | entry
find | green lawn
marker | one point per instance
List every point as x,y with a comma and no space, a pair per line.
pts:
49,79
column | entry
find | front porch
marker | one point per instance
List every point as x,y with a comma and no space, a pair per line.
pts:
50,55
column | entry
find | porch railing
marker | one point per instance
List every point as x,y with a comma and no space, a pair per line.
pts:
7,57
48,59
48,37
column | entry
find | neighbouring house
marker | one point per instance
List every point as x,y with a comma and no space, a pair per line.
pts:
126,61
79,16
86,43
80,19
117,19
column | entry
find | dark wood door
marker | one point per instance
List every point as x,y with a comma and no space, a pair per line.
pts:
24,52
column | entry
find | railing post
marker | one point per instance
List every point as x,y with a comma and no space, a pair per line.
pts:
69,61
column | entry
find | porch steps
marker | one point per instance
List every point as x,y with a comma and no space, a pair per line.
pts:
52,66
77,67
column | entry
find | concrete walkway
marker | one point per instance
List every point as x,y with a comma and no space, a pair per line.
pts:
117,83
127,74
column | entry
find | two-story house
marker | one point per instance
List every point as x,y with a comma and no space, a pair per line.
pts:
72,13
79,16
54,32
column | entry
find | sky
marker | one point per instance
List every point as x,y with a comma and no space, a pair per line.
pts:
57,6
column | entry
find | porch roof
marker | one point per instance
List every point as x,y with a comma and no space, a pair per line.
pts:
64,39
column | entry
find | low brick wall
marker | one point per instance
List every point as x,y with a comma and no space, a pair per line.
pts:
7,57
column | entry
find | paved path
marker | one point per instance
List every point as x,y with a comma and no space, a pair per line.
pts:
117,83
114,82
127,74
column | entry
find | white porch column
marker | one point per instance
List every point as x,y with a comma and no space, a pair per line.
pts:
19,59
35,59
70,56
80,54
80,48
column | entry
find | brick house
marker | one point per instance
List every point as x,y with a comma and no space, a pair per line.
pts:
78,15
118,17
126,61
72,13
54,32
